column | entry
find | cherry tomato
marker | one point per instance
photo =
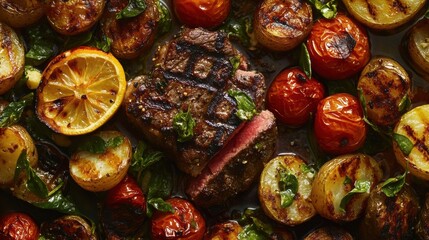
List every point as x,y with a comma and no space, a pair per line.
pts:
202,13
339,126
18,226
338,47
292,96
124,209
186,223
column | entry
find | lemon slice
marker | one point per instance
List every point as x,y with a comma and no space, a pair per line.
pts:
80,90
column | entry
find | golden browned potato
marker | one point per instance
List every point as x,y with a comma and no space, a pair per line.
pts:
11,58
413,126
384,84
336,178
132,36
271,187
74,16
223,231
422,228
383,14
418,46
14,140
390,217
21,13
102,171
329,233
282,25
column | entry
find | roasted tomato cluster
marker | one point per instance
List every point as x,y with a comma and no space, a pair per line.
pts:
214,119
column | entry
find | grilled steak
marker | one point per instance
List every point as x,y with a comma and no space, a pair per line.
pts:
238,164
193,72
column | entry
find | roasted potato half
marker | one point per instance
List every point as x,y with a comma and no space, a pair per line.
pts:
414,126
422,228
67,227
418,46
11,58
97,172
384,84
14,140
223,231
383,14
74,17
329,233
130,36
21,13
336,178
390,217
282,25
300,209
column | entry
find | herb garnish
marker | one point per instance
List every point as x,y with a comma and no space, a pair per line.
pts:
404,143
327,9
97,145
134,8
392,186
184,125
246,107
256,226
304,60
238,28
12,113
42,44
143,158
33,183
164,24
288,186
404,104
361,186
235,62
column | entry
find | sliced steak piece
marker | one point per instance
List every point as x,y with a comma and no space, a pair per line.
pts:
194,72
238,164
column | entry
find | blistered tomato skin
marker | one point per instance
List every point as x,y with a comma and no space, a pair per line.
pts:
186,223
292,96
202,13
339,127
18,226
338,47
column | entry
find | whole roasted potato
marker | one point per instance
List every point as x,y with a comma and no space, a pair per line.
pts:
337,180
21,13
11,58
390,217
418,47
67,227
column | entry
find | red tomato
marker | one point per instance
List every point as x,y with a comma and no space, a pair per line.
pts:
338,47
292,97
186,223
202,13
124,210
18,226
339,126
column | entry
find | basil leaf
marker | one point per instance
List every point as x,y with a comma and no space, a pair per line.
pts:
37,129
404,104
392,186
103,44
161,205
12,113
161,181
251,232
42,44
238,29
58,202
33,182
134,8
97,145
143,157
78,40
246,106
326,9
361,186
235,62
288,186
404,143
165,22
304,60
184,125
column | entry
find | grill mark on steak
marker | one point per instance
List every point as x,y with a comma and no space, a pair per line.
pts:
196,74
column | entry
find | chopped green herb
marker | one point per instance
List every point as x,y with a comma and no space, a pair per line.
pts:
307,169
12,113
246,106
288,186
96,144
184,125
347,181
165,23
161,205
239,29
235,62
134,8
103,43
143,157
327,9
405,104
404,143
42,44
33,181
361,186
392,186
304,60
252,232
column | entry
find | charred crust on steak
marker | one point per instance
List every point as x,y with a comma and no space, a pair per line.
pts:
193,72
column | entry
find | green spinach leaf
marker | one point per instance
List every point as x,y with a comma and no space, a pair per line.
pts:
33,182
42,44
12,113
392,186
59,202
361,186
134,8
246,107
184,124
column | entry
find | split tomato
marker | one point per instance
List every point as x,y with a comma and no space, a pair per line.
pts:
338,47
18,226
292,96
186,223
338,125
202,13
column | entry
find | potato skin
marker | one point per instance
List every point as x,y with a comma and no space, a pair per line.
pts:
329,233
11,57
223,231
390,217
422,228
329,186
417,37
74,16
67,227
384,83
282,25
130,37
21,13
